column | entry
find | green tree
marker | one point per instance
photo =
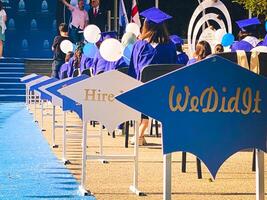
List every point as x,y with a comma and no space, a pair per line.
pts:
255,6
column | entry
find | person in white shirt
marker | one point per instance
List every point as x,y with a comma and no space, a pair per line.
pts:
3,18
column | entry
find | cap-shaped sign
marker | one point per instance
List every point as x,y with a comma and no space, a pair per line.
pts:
97,96
213,109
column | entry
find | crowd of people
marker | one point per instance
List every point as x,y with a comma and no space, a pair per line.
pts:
153,46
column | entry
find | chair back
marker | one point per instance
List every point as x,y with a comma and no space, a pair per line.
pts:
232,56
123,70
87,72
151,72
75,73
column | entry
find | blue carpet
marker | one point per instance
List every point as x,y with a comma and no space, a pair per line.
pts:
28,168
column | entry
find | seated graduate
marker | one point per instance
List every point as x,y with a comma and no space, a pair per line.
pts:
182,58
64,68
75,61
247,39
154,47
86,63
218,49
203,50
101,65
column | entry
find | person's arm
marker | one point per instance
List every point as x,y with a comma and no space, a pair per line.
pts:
4,17
70,7
86,20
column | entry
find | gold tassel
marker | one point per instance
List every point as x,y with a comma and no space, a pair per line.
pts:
242,59
254,62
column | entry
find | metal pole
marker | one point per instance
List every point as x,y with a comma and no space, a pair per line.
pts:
259,175
136,146
156,3
115,15
53,126
64,138
84,144
101,140
167,177
42,115
109,20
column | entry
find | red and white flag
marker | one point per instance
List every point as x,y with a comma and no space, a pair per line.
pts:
135,14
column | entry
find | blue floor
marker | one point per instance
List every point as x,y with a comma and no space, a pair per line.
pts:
28,168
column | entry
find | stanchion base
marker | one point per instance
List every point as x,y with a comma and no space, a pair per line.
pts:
55,146
66,162
136,191
104,161
84,192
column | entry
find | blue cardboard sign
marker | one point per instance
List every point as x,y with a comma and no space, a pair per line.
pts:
213,109
43,95
68,104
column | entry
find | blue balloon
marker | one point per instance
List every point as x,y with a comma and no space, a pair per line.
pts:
127,53
266,25
90,50
228,39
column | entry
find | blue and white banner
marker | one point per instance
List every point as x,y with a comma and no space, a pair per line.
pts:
31,27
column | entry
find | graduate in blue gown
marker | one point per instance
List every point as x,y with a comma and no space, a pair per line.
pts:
203,50
101,65
182,58
86,63
247,39
154,47
64,68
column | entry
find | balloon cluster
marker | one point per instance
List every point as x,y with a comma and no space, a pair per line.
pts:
110,49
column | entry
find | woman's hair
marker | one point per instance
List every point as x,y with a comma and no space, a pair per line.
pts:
155,33
1,5
203,49
242,34
218,48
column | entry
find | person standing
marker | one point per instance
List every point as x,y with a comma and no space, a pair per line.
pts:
154,47
79,20
98,15
59,56
3,18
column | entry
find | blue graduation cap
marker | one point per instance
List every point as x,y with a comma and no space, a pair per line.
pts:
176,40
248,24
110,34
155,15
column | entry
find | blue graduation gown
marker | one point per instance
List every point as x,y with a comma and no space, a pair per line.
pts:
182,58
86,63
101,65
191,61
241,45
145,54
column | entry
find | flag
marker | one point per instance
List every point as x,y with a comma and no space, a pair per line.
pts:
123,19
135,14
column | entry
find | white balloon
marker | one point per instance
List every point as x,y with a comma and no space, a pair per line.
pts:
219,35
262,49
133,28
111,50
66,46
92,33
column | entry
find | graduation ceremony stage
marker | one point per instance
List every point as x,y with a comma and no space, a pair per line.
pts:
29,170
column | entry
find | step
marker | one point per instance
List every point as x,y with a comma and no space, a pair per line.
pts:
11,74
11,65
12,60
12,85
12,91
9,79
13,98
13,69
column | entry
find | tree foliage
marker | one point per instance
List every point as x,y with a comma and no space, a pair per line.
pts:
255,6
